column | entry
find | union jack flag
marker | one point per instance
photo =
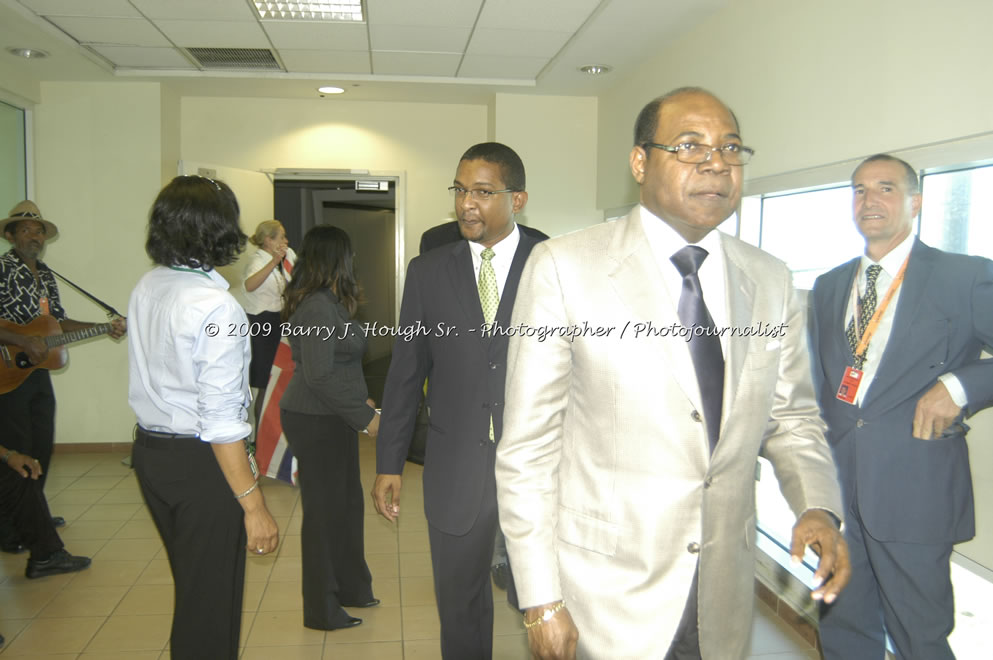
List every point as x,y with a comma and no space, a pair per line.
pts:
272,453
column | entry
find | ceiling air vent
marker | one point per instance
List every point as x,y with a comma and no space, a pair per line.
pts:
245,59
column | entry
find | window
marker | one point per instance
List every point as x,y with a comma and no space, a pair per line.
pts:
956,210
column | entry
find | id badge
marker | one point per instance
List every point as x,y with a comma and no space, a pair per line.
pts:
849,384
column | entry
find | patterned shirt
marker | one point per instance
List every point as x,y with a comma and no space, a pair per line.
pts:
21,293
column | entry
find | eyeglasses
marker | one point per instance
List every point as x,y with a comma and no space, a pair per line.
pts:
694,154
478,195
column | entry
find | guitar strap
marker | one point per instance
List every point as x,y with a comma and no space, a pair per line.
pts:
110,310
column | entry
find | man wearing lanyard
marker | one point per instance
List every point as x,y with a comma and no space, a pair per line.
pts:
27,291
896,337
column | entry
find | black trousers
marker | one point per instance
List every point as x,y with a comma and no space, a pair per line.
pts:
331,536
462,584
203,530
28,415
23,505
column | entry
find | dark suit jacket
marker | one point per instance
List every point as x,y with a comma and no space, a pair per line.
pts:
327,378
448,232
465,371
909,490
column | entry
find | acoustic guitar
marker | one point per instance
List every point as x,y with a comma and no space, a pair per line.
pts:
15,366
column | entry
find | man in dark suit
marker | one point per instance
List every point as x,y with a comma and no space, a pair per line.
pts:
449,232
437,236
455,293
911,364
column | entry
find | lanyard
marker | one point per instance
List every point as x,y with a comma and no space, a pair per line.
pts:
870,329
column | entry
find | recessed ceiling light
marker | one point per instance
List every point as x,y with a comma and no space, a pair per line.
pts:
595,69
310,10
28,53
330,90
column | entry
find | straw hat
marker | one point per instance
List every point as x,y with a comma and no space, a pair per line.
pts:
28,210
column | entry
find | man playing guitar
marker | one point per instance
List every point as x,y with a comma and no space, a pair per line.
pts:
27,291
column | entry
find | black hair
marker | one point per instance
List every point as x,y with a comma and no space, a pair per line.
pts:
511,165
194,223
324,262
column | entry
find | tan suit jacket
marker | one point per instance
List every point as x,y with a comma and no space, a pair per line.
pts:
608,495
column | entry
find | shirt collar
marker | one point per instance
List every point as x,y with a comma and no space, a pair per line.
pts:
506,244
667,241
893,259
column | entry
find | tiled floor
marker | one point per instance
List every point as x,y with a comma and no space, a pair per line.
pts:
120,608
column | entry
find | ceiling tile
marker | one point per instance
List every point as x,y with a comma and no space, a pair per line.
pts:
118,8
325,61
214,34
525,43
430,13
227,10
488,66
144,58
552,15
414,64
418,38
317,36
115,31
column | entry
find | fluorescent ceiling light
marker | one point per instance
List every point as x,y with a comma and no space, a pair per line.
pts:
310,10
328,89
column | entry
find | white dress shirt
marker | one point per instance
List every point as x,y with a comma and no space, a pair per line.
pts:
665,242
891,264
188,352
268,296
503,257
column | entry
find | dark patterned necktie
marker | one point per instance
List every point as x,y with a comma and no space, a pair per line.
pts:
865,309
705,347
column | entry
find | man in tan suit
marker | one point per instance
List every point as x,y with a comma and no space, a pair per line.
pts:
626,470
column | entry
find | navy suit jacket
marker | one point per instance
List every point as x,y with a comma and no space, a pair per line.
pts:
466,371
908,490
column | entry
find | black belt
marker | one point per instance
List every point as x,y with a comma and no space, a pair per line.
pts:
160,440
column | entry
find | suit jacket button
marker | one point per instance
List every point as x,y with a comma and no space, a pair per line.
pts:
493,365
859,424
696,417
707,482
693,548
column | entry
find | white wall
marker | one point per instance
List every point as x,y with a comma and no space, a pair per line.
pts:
555,136
98,169
422,140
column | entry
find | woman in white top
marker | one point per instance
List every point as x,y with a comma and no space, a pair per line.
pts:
266,276
189,391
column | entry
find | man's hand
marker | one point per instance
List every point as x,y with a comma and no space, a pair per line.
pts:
386,495
118,327
554,639
817,529
35,348
935,412
24,465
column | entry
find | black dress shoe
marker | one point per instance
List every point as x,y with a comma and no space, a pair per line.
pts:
344,621
501,574
58,521
350,622
369,603
60,562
